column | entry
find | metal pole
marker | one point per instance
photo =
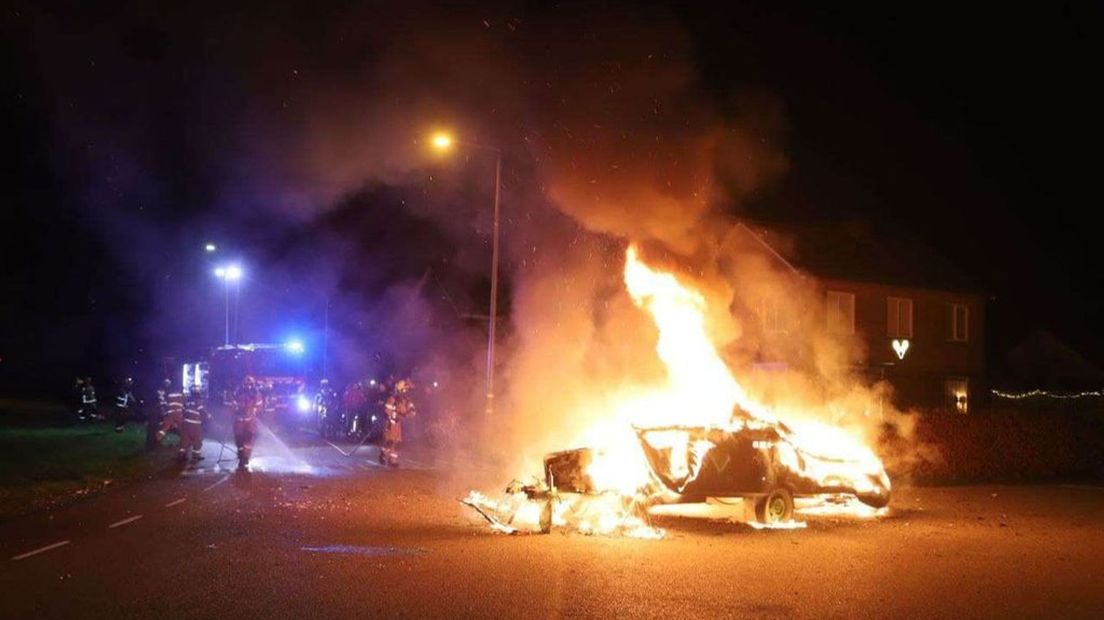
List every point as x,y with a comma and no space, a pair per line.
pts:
237,297
226,288
494,291
326,342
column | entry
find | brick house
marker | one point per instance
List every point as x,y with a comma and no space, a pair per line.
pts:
920,321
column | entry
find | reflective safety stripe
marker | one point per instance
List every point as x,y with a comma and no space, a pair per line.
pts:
191,421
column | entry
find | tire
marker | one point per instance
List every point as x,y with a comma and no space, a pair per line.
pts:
874,500
775,507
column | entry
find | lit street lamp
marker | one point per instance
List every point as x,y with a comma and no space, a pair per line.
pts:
228,274
444,142
210,247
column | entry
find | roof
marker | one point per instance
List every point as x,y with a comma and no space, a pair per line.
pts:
249,347
856,253
1043,361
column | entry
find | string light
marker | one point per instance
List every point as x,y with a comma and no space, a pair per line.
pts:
1045,394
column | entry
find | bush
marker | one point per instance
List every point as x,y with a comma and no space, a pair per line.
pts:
1009,446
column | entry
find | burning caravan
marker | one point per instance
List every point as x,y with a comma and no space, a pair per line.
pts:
759,461
697,436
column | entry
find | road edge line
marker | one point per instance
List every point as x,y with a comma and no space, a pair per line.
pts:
23,556
124,522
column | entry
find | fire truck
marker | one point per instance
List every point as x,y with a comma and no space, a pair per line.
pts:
279,369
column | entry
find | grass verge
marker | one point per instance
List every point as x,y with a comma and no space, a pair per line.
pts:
45,462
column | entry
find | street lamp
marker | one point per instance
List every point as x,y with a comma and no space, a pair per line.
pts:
210,247
444,142
228,274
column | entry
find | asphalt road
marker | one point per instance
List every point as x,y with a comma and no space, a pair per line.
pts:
312,533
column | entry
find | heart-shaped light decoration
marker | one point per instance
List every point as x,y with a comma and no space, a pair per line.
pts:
900,347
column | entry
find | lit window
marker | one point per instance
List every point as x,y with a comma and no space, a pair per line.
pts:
770,313
898,317
959,322
841,312
957,392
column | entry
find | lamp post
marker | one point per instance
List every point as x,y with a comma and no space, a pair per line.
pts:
228,274
443,142
326,342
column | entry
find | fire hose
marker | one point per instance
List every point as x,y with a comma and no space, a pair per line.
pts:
350,452
222,445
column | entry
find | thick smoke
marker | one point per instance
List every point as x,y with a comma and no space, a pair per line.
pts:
608,136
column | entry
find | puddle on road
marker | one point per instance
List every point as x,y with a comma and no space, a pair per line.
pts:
368,551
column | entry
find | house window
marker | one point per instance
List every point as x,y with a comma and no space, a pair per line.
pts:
898,317
841,312
959,321
957,391
770,312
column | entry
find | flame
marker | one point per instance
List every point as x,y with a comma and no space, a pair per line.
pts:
699,390
698,380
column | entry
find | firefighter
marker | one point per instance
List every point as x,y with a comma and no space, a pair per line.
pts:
78,405
163,391
376,395
89,410
325,404
174,415
248,402
267,410
398,407
124,401
353,404
154,418
191,427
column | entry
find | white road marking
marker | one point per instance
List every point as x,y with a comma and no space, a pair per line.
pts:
41,550
1083,486
223,479
124,521
175,502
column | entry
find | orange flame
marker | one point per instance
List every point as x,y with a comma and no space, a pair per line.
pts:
699,390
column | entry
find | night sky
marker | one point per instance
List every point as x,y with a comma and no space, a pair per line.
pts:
134,135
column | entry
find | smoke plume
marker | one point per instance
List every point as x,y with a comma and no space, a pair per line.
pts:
607,133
